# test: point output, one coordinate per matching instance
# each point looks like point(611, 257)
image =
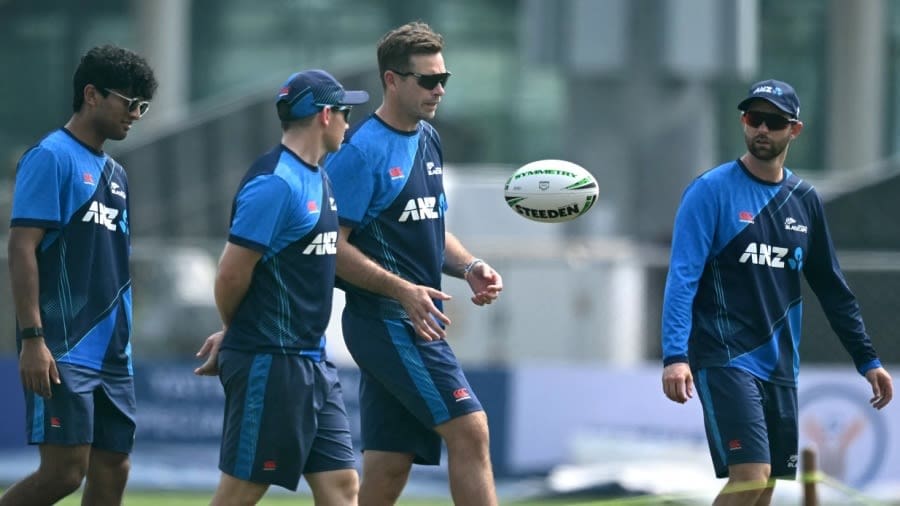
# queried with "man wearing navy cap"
point(284, 412)
point(744, 232)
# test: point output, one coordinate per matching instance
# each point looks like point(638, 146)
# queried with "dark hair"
point(113, 68)
point(396, 47)
point(283, 108)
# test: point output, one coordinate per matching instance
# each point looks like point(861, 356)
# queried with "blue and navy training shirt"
point(284, 209)
point(80, 197)
point(733, 296)
point(391, 189)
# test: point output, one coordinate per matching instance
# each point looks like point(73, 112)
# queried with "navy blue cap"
point(778, 93)
point(309, 90)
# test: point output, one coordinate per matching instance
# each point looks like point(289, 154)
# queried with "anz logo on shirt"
point(324, 243)
point(99, 214)
point(772, 256)
point(423, 208)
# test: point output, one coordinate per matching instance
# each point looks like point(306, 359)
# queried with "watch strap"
point(32, 332)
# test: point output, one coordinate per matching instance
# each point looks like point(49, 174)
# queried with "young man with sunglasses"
point(744, 233)
point(392, 249)
point(69, 245)
point(284, 411)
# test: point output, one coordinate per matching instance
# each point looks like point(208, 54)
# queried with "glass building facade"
point(511, 98)
point(500, 107)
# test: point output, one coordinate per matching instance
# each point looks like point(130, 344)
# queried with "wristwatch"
point(32, 332)
point(471, 265)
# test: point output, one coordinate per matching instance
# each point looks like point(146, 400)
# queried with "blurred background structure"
point(641, 92)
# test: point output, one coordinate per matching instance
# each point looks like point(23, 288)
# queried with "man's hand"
point(485, 282)
point(882, 387)
point(37, 367)
point(678, 382)
point(418, 302)
point(210, 350)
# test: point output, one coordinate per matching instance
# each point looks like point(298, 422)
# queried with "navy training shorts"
point(749, 421)
point(87, 407)
point(284, 417)
point(407, 386)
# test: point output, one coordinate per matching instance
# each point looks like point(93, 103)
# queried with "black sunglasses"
point(427, 81)
point(134, 104)
point(344, 109)
point(772, 121)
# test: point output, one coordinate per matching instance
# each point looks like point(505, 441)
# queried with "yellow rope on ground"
point(847, 490)
point(809, 477)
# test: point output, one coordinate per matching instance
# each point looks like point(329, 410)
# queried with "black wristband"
point(32, 332)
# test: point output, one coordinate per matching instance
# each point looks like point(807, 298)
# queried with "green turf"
point(198, 499)
point(144, 498)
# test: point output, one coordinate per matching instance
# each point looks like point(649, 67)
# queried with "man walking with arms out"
point(393, 248)
point(744, 233)
point(69, 245)
point(284, 412)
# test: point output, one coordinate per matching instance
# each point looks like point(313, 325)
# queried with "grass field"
point(199, 499)
point(144, 498)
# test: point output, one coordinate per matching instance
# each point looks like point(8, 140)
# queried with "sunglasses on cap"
point(772, 121)
point(427, 81)
point(134, 104)
point(343, 109)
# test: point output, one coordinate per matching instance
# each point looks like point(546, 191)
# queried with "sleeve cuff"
point(874, 364)
point(674, 359)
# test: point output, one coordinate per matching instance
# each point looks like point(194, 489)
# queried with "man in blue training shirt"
point(284, 412)
point(392, 250)
point(744, 232)
point(69, 245)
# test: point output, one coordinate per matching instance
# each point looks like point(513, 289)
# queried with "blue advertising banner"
point(178, 410)
point(12, 421)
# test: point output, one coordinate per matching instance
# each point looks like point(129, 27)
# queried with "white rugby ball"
point(551, 191)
